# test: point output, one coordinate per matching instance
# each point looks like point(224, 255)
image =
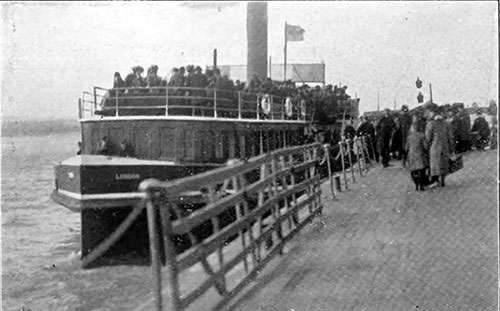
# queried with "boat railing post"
point(215, 103)
point(272, 107)
point(257, 108)
point(95, 99)
point(166, 100)
point(239, 105)
point(283, 109)
point(116, 103)
point(79, 108)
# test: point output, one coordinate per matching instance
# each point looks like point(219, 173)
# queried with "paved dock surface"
point(383, 246)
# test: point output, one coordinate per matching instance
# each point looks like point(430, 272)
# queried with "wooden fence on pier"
point(273, 197)
point(253, 209)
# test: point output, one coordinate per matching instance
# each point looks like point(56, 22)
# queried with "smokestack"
point(257, 39)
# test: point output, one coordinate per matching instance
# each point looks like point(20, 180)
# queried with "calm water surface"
point(41, 240)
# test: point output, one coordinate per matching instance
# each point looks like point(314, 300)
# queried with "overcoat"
point(416, 146)
point(439, 137)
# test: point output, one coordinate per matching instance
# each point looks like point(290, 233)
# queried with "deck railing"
point(283, 196)
point(188, 101)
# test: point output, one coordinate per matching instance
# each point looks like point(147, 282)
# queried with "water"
point(41, 240)
point(36, 233)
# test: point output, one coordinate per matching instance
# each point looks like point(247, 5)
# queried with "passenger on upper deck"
point(177, 79)
point(152, 79)
point(135, 78)
point(198, 79)
point(189, 76)
point(118, 81)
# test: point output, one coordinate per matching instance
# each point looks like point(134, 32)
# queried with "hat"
point(458, 105)
point(432, 107)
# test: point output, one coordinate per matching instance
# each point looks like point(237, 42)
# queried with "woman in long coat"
point(418, 161)
point(440, 138)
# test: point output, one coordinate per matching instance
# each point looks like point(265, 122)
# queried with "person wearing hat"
point(152, 79)
point(454, 122)
point(480, 130)
point(367, 129)
point(385, 127)
point(404, 123)
point(463, 130)
point(118, 81)
point(135, 79)
point(441, 147)
point(200, 82)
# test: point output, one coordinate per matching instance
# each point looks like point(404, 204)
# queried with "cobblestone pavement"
point(383, 246)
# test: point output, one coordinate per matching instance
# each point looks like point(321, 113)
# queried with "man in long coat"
point(405, 123)
point(366, 128)
point(385, 127)
point(440, 138)
point(463, 129)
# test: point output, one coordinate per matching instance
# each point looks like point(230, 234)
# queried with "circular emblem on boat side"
point(266, 104)
point(288, 107)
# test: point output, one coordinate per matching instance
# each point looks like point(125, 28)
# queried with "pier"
point(384, 246)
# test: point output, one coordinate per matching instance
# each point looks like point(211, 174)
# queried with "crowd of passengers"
point(423, 139)
point(193, 77)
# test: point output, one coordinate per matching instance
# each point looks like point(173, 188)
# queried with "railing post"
point(257, 108)
point(350, 160)
point(272, 106)
point(166, 100)
point(95, 99)
point(116, 103)
point(79, 108)
point(170, 256)
point(155, 249)
point(356, 141)
point(283, 109)
point(329, 167)
point(239, 105)
point(215, 103)
point(341, 144)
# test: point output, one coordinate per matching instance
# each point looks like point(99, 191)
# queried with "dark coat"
point(438, 135)
point(416, 146)
point(405, 123)
point(384, 128)
point(366, 128)
point(481, 127)
point(463, 129)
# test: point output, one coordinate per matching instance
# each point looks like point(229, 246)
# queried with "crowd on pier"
point(427, 140)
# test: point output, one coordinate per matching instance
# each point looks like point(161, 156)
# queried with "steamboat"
point(132, 134)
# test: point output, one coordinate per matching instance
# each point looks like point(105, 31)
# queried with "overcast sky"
point(51, 52)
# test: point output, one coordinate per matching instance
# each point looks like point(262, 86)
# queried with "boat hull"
point(104, 190)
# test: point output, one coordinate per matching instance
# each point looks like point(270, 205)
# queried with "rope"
point(113, 237)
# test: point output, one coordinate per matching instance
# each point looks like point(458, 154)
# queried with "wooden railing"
point(205, 102)
point(270, 197)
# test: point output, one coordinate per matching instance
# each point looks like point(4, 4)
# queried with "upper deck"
point(189, 103)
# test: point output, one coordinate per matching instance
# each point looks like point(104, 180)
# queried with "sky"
point(52, 52)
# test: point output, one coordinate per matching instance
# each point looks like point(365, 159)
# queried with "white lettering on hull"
point(127, 176)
